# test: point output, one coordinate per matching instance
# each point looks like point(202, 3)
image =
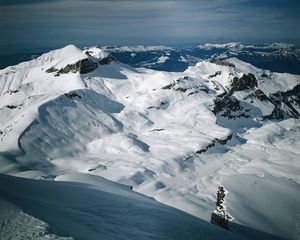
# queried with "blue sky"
point(35, 24)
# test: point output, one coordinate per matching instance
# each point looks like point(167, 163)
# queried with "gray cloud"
point(22, 2)
point(85, 22)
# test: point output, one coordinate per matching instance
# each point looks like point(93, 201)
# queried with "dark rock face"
point(215, 74)
point(224, 141)
point(157, 130)
point(286, 104)
point(52, 69)
point(259, 94)
point(170, 86)
point(107, 60)
point(213, 143)
point(219, 216)
point(223, 62)
point(180, 86)
point(82, 66)
point(229, 107)
point(10, 92)
point(11, 106)
point(276, 114)
point(219, 220)
point(72, 95)
point(264, 75)
point(245, 82)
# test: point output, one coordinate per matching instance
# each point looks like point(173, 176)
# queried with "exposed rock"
point(220, 196)
point(228, 106)
point(169, 86)
point(212, 144)
point(276, 114)
point(245, 82)
point(215, 74)
point(100, 166)
point(11, 106)
point(52, 69)
point(82, 66)
point(216, 86)
point(157, 130)
point(259, 94)
point(224, 141)
point(183, 88)
point(192, 93)
point(219, 216)
point(222, 62)
point(264, 75)
point(72, 95)
point(107, 60)
point(287, 104)
point(10, 92)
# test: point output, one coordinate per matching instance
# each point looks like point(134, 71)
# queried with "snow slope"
point(89, 207)
point(174, 136)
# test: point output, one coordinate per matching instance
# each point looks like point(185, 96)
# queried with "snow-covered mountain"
point(219, 141)
point(278, 57)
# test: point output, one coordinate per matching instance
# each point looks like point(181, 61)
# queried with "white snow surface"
point(90, 207)
point(142, 128)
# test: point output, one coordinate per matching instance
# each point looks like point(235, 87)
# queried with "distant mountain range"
point(277, 57)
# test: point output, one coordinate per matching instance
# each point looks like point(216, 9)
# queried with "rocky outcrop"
point(224, 141)
point(107, 60)
point(220, 216)
point(223, 62)
point(11, 106)
point(213, 143)
point(215, 74)
point(82, 66)
point(247, 81)
point(51, 70)
point(72, 95)
point(259, 94)
point(287, 104)
point(276, 114)
point(180, 86)
point(229, 107)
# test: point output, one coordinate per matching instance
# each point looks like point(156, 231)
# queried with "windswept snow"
point(17, 225)
point(90, 207)
point(254, 200)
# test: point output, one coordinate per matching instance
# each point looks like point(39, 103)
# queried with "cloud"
point(145, 22)
point(22, 2)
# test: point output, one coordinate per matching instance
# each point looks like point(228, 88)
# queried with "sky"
point(36, 24)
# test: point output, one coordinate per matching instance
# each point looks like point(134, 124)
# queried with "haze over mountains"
point(198, 129)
